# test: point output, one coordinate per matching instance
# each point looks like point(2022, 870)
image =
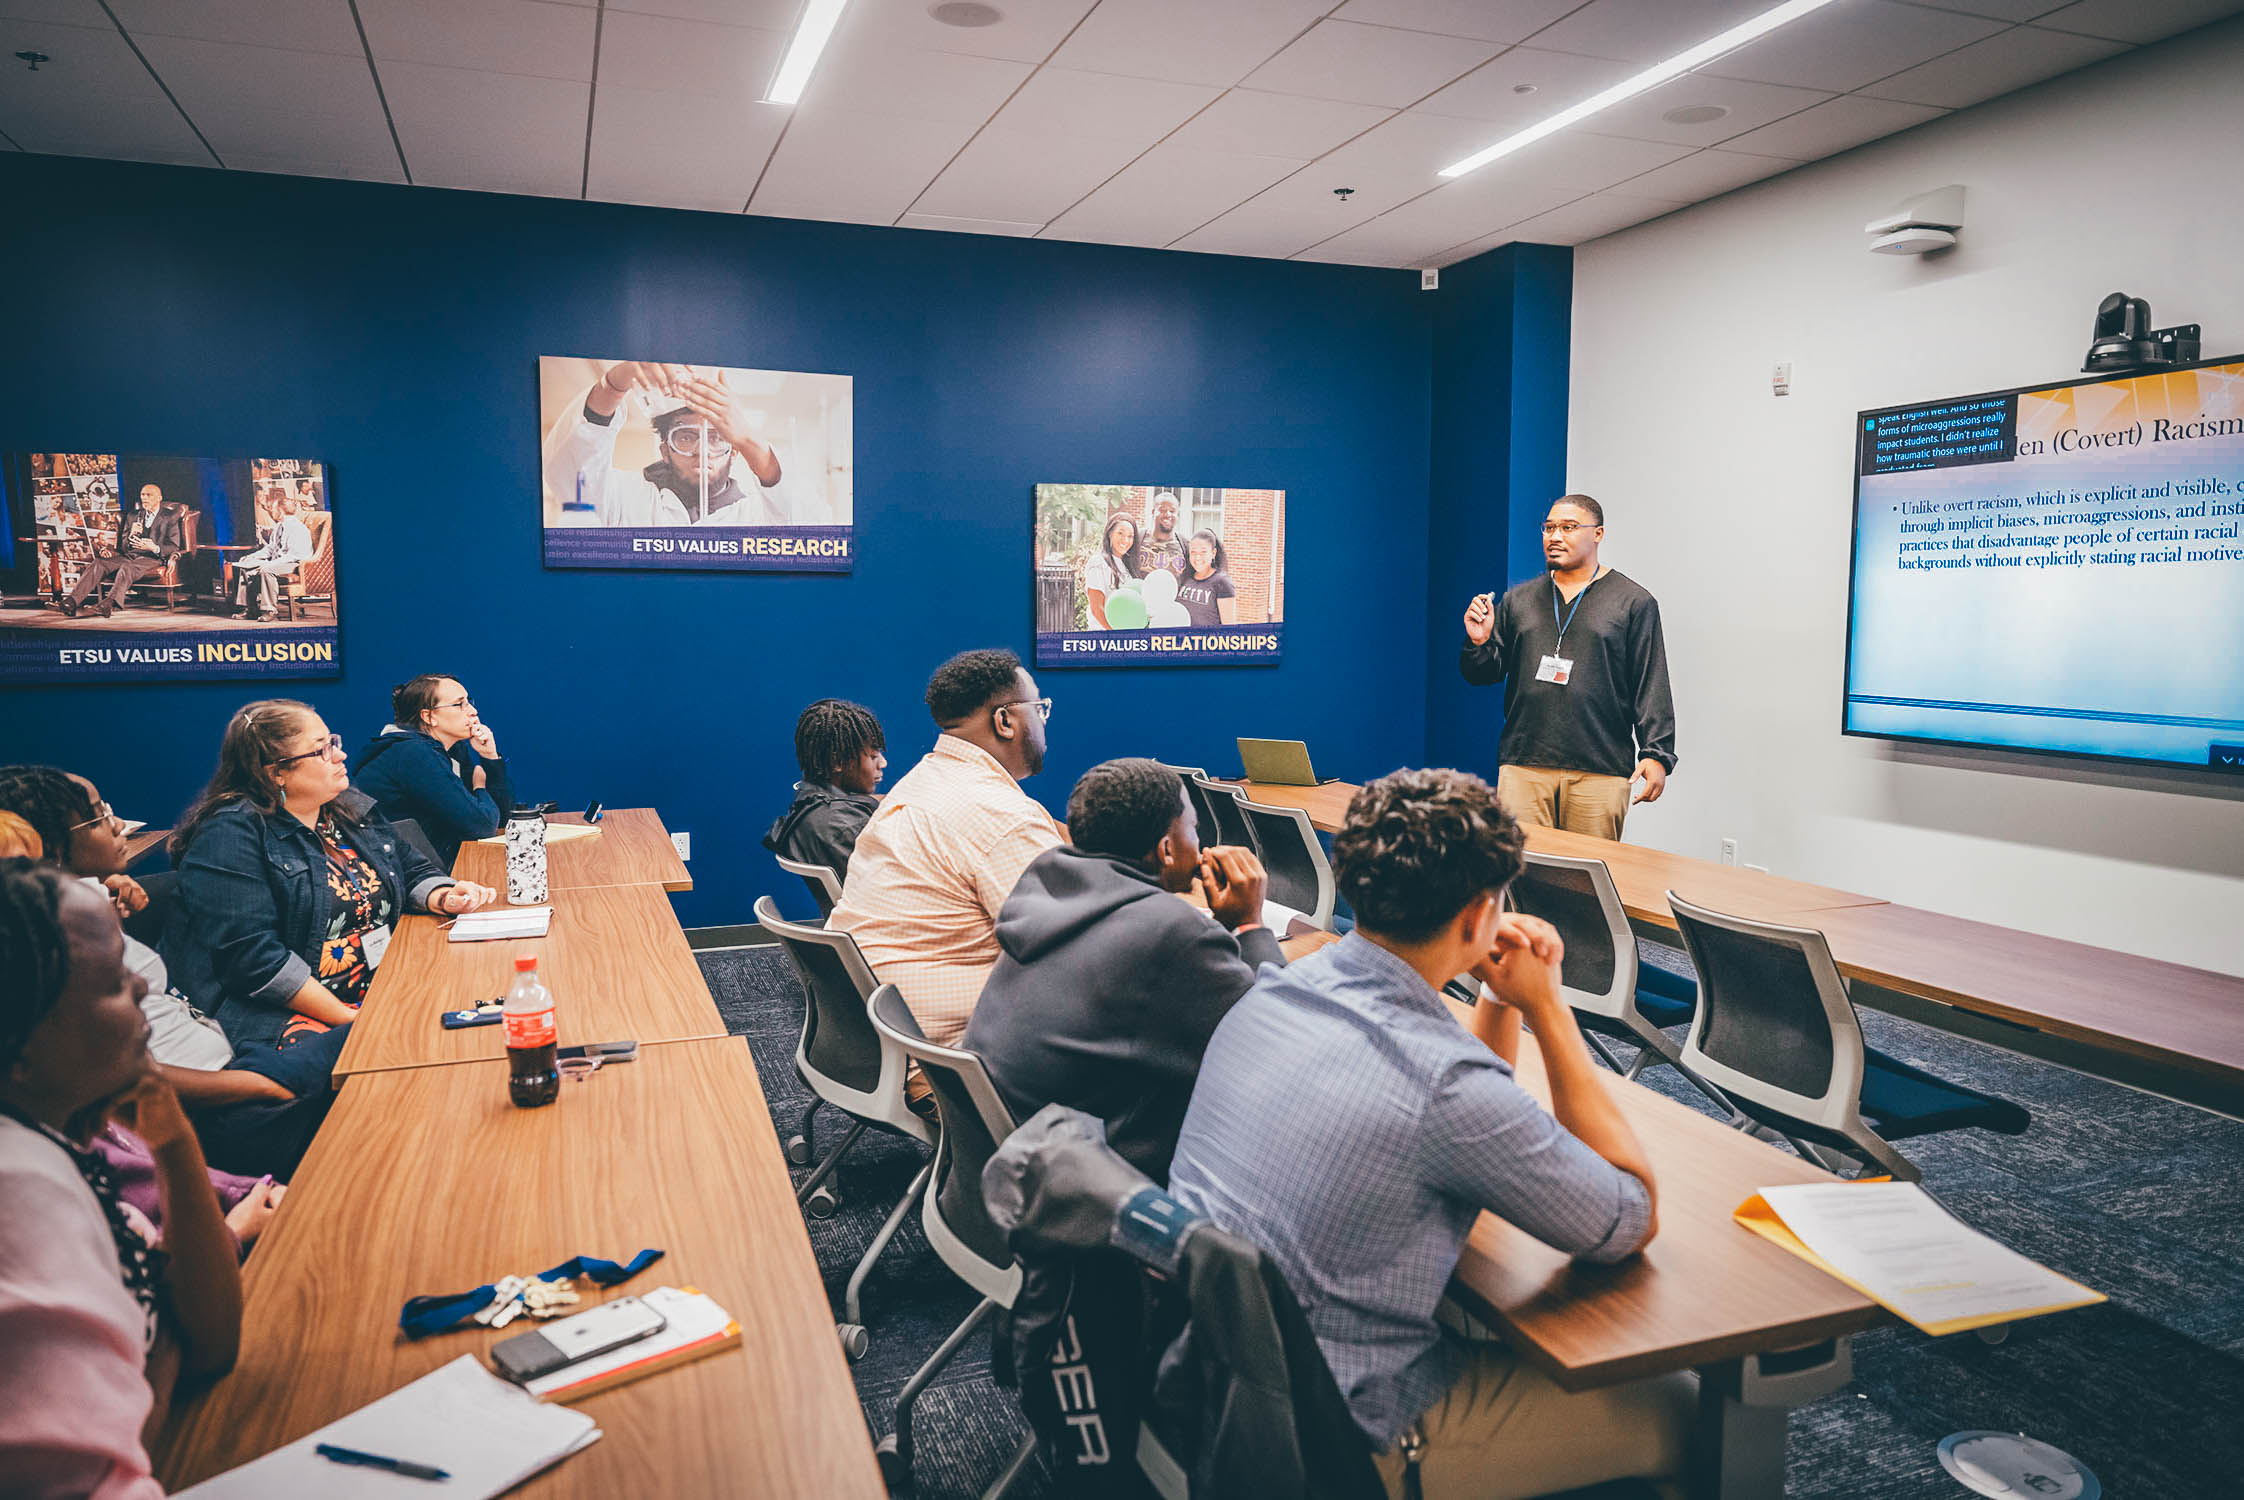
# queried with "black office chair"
point(1294, 857)
point(1222, 820)
point(1611, 993)
point(974, 1120)
point(844, 1062)
point(825, 886)
point(147, 924)
point(409, 829)
point(1777, 1033)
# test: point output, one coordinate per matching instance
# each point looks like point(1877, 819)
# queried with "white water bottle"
point(525, 858)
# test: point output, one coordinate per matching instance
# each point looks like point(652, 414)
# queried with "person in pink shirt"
point(81, 1294)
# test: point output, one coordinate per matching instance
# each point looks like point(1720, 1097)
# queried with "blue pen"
point(410, 1470)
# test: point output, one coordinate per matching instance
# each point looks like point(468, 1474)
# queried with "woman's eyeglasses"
point(102, 814)
point(334, 746)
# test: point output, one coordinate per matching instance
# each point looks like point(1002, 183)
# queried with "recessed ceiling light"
point(802, 53)
point(1695, 114)
point(1652, 77)
point(968, 13)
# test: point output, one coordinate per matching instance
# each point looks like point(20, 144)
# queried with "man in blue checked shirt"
point(1347, 1124)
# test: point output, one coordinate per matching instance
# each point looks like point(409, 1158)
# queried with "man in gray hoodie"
point(1108, 986)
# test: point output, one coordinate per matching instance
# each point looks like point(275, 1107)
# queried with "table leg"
point(1744, 1405)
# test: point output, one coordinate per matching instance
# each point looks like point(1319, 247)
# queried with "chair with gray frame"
point(1294, 858)
point(825, 886)
point(1777, 1033)
point(1222, 819)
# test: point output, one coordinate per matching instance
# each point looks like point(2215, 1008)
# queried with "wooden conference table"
point(425, 1179)
point(2164, 1027)
point(631, 848)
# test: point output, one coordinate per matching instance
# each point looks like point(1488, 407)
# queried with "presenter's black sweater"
point(1615, 708)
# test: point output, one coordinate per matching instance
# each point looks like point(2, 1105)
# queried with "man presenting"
point(1587, 711)
point(147, 541)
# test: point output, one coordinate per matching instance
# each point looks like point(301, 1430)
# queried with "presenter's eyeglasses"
point(1566, 528)
point(334, 746)
point(689, 440)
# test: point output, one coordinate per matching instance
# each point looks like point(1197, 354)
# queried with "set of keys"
point(516, 1295)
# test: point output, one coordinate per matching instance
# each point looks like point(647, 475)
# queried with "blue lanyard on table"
point(1556, 600)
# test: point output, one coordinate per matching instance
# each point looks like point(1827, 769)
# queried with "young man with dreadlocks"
point(840, 747)
point(81, 1291)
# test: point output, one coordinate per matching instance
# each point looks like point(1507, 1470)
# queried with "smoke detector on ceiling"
point(1695, 114)
point(967, 13)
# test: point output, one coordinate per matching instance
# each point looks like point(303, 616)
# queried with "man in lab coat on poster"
point(712, 469)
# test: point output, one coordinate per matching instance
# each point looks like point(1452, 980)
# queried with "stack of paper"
point(1891, 1242)
point(693, 1326)
point(486, 1434)
point(502, 922)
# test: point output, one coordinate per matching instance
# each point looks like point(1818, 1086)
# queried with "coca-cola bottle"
point(533, 1078)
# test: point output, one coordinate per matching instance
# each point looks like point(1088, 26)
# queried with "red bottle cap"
point(526, 964)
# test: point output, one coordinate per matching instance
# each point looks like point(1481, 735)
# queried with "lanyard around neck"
point(1563, 625)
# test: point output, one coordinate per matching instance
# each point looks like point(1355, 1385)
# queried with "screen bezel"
point(1854, 550)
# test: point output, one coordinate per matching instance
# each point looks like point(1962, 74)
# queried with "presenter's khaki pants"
point(1506, 1431)
point(1577, 801)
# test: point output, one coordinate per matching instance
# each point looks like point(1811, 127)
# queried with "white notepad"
point(502, 922)
point(488, 1435)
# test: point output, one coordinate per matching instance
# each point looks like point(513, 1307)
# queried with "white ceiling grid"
point(1213, 125)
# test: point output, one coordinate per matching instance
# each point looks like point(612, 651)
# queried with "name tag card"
point(1555, 669)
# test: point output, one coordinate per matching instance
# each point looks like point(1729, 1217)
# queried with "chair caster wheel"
point(1999, 1333)
point(798, 1151)
point(894, 1472)
point(854, 1339)
point(823, 1203)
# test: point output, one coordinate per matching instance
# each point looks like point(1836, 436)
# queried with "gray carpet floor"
point(2141, 1198)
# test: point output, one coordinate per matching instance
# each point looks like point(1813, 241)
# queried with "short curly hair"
point(1123, 808)
point(967, 682)
point(832, 734)
point(1418, 847)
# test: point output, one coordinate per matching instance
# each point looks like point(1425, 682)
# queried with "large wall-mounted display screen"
point(2056, 569)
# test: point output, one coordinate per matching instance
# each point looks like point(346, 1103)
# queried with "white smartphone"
point(564, 1341)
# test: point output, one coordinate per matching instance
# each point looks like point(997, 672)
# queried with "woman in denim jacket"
point(290, 886)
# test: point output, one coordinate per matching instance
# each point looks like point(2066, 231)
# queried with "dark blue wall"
point(1498, 458)
point(395, 333)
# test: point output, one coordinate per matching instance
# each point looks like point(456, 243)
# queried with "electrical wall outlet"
point(683, 843)
point(1729, 851)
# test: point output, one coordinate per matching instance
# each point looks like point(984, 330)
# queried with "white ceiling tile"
point(1187, 41)
point(1169, 191)
point(660, 54)
point(913, 85)
point(679, 150)
point(1027, 32)
point(297, 106)
point(2000, 10)
point(1022, 176)
point(1540, 177)
point(1467, 251)
point(298, 165)
point(94, 98)
point(496, 132)
point(1392, 162)
point(1587, 219)
point(297, 25)
point(2139, 20)
point(1258, 124)
point(1842, 47)
point(1846, 121)
point(1645, 31)
point(1747, 106)
point(2023, 55)
point(86, 13)
point(968, 226)
point(1447, 216)
point(1703, 174)
point(1488, 20)
point(1101, 107)
point(1369, 64)
point(859, 168)
point(1265, 227)
point(1551, 81)
point(772, 15)
point(494, 36)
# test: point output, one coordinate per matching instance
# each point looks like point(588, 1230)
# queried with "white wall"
point(1733, 506)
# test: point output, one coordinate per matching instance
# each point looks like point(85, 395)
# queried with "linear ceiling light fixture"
point(810, 40)
point(1652, 77)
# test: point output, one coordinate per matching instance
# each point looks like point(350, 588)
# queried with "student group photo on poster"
point(654, 465)
point(140, 567)
point(1161, 575)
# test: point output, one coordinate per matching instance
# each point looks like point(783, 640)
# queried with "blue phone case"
point(455, 1020)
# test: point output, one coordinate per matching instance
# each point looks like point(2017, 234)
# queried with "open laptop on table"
point(1279, 763)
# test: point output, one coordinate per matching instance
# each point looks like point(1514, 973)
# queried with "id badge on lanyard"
point(374, 944)
point(1557, 667)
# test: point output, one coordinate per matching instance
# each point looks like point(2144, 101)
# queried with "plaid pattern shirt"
point(1345, 1123)
point(929, 875)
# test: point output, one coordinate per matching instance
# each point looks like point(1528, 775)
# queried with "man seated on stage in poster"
point(149, 538)
point(287, 547)
point(700, 429)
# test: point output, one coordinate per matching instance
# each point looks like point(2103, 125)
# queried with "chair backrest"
point(1774, 1025)
point(1577, 897)
point(147, 924)
point(1300, 875)
point(1185, 771)
point(974, 1122)
point(317, 574)
point(843, 1059)
point(825, 886)
point(1222, 820)
point(409, 829)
